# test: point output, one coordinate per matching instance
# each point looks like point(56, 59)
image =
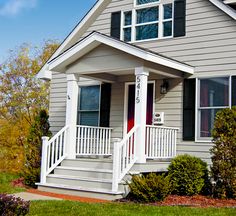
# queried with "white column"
point(140, 112)
point(71, 114)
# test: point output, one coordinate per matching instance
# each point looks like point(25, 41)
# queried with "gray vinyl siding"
point(117, 109)
point(57, 106)
point(209, 46)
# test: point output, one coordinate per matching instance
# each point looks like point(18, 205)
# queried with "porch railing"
point(160, 142)
point(123, 157)
point(53, 152)
point(93, 140)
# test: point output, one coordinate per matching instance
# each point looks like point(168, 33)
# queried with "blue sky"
point(34, 21)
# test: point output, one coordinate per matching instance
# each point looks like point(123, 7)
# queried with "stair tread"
point(91, 160)
point(84, 169)
point(95, 190)
point(79, 178)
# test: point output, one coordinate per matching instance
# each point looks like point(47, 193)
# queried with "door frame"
point(125, 119)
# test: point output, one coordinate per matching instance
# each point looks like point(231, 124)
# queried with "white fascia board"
point(44, 73)
point(227, 9)
point(132, 50)
point(230, 1)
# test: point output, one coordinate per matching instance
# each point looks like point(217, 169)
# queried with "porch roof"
point(95, 39)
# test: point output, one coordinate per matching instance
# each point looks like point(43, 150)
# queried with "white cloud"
point(13, 7)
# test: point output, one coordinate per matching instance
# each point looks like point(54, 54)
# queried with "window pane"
point(139, 2)
point(147, 15)
point(214, 92)
point(89, 118)
point(147, 32)
point(167, 29)
point(127, 34)
point(128, 18)
point(89, 98)
point(207, 118)
point(168, 11)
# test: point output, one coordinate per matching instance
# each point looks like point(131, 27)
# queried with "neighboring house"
point(135, 83)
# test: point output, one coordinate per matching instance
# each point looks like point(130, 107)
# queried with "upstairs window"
point(150, 19)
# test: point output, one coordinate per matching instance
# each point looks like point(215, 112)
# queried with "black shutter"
point(115, 24)
point(189, 109)
point(233, 90)
point(179, 18)
point(105, 105)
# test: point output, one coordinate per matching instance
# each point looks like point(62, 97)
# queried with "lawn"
point(5, 183)
point(68, 208)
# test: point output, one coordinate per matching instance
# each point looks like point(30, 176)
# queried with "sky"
point(35, 21)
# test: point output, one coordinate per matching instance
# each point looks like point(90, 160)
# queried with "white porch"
point(145, 148)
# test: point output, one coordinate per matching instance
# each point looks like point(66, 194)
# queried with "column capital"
point(71, 77)
point(141, 71)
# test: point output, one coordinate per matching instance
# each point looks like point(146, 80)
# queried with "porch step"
point(88, 163)
point(89, 183)
point(85, 172)
point(80, 191)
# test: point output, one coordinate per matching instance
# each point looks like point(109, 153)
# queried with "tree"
point(22, 93)
point(22, 96)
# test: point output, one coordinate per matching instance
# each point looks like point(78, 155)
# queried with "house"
point(136, 83)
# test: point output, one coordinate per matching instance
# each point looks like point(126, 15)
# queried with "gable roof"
point(98, 7)
point(95, 39)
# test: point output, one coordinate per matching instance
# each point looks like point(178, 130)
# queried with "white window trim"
point(160, 21)
point(99, 108)
point(199, 139)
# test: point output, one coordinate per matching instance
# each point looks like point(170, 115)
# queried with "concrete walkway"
point(31, 196)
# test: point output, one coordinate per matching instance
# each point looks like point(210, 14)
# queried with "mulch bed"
point(172, 200)
point(18, 183)
point(196, 201)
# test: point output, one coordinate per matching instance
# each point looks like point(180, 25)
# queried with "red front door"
point(131, 105)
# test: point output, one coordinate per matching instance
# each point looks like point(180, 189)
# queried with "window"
point(89, 106)
point(214, 95)
point(150, 19)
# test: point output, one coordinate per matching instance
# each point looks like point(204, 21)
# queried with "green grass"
point(5, 183)
point(68, 208)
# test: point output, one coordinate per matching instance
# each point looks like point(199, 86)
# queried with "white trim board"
point(95, 39)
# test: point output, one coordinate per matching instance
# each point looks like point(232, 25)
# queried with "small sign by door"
point(158, 118)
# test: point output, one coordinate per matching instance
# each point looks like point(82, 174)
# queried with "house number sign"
point(138, 86)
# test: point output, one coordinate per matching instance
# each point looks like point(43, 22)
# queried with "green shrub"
point(223, 168)
point(149, 188)
point(40, 128)
point(11, 205)
point(188, 175)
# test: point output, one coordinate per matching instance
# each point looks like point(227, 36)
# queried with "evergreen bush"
point(188, 175)
point(224, 154)
point(149, 188)
point(40, 128)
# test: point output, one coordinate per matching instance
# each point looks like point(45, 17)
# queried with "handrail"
point(162, 127)
point(53, 152)
point(123, 157)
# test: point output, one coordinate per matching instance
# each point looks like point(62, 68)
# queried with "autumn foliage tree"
point(22, 96)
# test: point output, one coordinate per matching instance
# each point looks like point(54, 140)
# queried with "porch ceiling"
point(98, 54)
